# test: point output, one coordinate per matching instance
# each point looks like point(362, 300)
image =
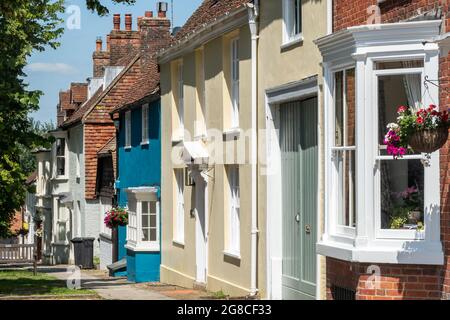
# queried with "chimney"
point(162, 9)
point(155, 34)
point(123, 43)
point(116, 21)
point(99, 44)
point(99, 58)
point(128, 22)
point(108, 43)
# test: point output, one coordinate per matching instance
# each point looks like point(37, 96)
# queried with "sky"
point(53, 70)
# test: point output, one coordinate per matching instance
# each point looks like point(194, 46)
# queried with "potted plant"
point(116, 217)
point(424, 131)
point(407, 213)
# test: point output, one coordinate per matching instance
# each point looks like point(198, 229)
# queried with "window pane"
point(345, 162)
point(145, 221)
point(398, 64)
point(350, 115)
point(61, 166)
point(145, 235)
point(339, 108)
point(153, 207)
point(153, 221)
point(297, 17)
point(60, 147)
point(402, 196)
point(144, 207)
point(152, 233)
point(395, 91)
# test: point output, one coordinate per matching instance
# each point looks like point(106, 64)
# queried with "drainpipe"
point(253, 12)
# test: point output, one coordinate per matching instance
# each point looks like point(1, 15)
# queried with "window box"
point(370, 71)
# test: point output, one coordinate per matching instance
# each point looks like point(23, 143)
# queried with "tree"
point(25, 26)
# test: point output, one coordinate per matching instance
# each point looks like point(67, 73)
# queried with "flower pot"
point(428, 141)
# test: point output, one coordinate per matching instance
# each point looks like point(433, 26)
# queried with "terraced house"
point(394, 54)
point(239, 214)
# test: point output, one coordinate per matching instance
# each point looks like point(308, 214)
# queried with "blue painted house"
point(138, 186)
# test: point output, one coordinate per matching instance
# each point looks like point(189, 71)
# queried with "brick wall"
point(400, 281)
point(96, 136)
point(395, 282)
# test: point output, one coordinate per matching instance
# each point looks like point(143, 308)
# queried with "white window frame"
point(128, 129)
point(334, 174)
point(368, 243)
point(289, 35)
point(137, 196)
point(180, 104)
point(179, 231)
point(233, 246)
point(145, 124)
point(57, 157)
point(55, 175)
point(235, 82)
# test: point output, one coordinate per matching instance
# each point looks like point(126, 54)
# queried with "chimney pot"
point(99, 44)
point(162, 9)
point(149, 14)
point(116, 21)
point(128, 22)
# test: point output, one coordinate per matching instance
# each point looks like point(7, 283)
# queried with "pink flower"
point(419, 120)
point(402, 109)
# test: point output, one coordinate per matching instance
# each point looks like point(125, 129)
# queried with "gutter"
point(253, 13)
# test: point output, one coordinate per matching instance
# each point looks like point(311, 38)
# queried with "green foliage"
point(97, 6)
point(25, 26)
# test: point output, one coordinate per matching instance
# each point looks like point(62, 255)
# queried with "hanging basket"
point(428, 141)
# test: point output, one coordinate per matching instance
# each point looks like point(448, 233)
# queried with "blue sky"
point(54, 70)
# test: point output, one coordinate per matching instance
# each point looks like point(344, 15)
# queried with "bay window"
point(143, 230)
point(378, 209)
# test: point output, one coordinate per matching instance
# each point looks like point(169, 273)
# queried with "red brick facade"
point(134, 50)
point(399, 281)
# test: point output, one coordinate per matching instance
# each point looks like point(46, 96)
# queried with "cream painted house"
point(236, 68)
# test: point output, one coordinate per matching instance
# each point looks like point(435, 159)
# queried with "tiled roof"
point(78, 115)
point(147, 84)
point(207, 13)
point(109, 147)
point(96, 98)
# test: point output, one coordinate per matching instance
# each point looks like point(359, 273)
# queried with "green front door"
point(299, 164)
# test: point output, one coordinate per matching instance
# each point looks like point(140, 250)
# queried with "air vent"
point(341, 293)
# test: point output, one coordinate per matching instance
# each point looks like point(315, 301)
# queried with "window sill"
point(145, 143)
point(292, 43)
point(127, 148)
point(143, 247)
point(60, 178)
point(386, 251)
point(233, 255)
point(232, 134)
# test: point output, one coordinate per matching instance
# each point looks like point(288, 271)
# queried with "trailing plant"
point(116, 217)
point(409, 123)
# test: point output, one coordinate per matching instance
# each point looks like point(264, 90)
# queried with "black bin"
point(84, 252)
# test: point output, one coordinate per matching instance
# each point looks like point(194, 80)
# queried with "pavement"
point(118, 288)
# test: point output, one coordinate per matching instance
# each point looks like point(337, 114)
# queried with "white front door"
point(200, 228)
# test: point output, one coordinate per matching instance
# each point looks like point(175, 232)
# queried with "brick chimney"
point(100, 59)
point(128, 22)
point(155, 34)
point(123, 43)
